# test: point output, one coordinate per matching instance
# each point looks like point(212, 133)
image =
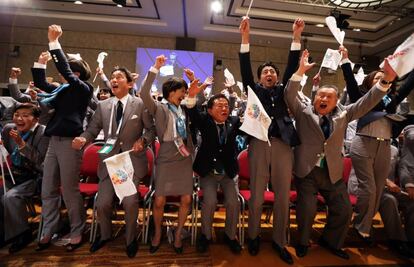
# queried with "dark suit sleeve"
point(39, 79)
point(36, 153)
point(196, 117)
point(292, 65)
point(402, 93)
point(149, 127)
point(246, 71)
point(17, 94)
point(351, 84)
point(62, 65)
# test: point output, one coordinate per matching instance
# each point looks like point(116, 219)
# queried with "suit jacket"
point(210, 149)
point(33, 153)
point(273, 99)
point(70, 104)
point(406, 163)
point(313, 142)
point(160, 111)
point(135, 119)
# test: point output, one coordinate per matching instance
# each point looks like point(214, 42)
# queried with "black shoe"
point(337, 252)
point(132, 248)
point(21, 241)
point(368, 240)
point(72, 247)
point(283, 253)
point(42, 246)
point(401, 248)
point(97, 244)
point(301, 250)
point(202, 244)
point(254, 246)
point(233, 244)
point(154, 249)
point(178, 250)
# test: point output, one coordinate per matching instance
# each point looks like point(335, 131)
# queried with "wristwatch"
point(384, 82)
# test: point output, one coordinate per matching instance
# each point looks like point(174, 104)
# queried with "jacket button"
point(220, 150)
point(272, 117)
point(121, 143)
point(318, 155)
point(325, 144)
point(214, 160)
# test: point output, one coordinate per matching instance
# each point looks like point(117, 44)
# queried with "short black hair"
point(128, 74)
point(173, 84)
point(104, 89)
point(33, 108)
point(80, 66)
point(267, 64)
point(210, 102)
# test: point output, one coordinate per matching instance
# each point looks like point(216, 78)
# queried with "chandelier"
point(359, 3)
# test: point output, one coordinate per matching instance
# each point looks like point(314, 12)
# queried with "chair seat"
point(88, 189)
point(143, 190)
point(353, 199)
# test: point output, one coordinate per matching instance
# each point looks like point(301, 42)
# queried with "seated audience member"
point(318, 159)
point(26, 144)
point(216, 163)
point(122, 118)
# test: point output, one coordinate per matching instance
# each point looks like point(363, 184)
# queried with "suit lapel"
point(128, 111)
point(315, 118)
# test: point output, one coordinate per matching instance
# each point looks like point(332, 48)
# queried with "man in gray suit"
point(318, 159)
point(123, 120)
point(26, 144)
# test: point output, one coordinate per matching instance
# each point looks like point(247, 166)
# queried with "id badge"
point(321, 161)
point(182, 148)
point(109, 145)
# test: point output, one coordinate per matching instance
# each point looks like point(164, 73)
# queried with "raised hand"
point(189, 74)
point(194, 89)
point(316, 79)
point(159, 61)
point(78, 142)
point(54, 32)
point(344, 52)
point(297, 29)
point(135, 77)
point(244, 29)
point(209, 81)
point(389, 73)
point(33, 94)
point(304, 64)
point(44, 57)
point(15, 72)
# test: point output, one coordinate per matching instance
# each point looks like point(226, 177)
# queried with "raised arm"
point(372, 97)
point(14, 87)
point(244, 55)
point(149, 80)
point(352, 88)
point(293, 86)
point(39, 73)
point(294, 53)
point(402, 93)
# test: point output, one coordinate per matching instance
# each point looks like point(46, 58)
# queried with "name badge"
point(109, 145)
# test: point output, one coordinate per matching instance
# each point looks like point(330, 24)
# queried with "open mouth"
point(323, 106)
point(269, 79)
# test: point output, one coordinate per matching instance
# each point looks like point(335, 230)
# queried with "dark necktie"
point(222, 137)
point(325, 126)
point(119, 110)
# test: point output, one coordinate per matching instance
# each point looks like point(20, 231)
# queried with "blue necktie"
point(222, 137)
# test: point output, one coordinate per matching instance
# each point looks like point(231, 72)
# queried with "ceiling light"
point(320, 25)
point(119, 3)
point(359, 3)
point(78, 3)
point(216, 6)
point(356, 29)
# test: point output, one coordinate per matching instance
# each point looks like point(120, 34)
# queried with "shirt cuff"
point(383, 88)
point(54, 45)
point(407, 185)
point(295, 47)
point(191, 102)
point(244, 48)
point(296, 78)
point(12, 81)
point(154, 70)
point(344, 61)
point(38, 65)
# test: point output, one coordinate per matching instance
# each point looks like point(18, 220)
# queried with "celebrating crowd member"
point(318, 159)
point(123, 119)
point(25, 142)
point(275, 161)
point(62, 163)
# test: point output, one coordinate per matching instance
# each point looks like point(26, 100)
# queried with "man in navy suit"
point(70, 101)
point(216, 163)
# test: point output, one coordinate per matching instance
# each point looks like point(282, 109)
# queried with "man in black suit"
point(275, 161)
point(70, 101)
point(216, 163)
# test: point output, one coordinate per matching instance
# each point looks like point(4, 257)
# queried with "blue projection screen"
point(177, 60)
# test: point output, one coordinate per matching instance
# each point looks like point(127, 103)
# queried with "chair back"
point(347, 169)
point(243, 161)
point(90, 160)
